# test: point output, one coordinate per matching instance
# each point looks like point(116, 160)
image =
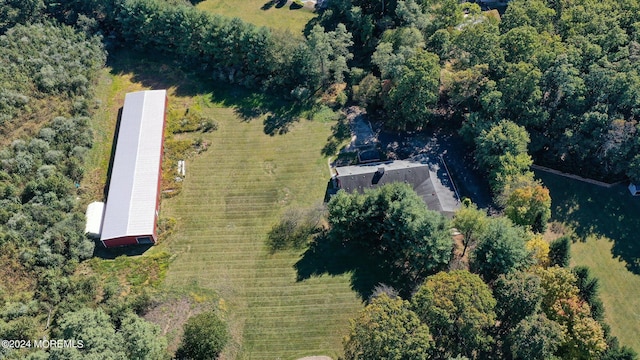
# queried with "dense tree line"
point(226, 49)
point(514, 302)
point(565, 71)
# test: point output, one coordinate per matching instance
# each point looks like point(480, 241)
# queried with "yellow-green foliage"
point(189, 120)
point(540, 250)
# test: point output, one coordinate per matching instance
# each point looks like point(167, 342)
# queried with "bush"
point(295, 229)
point(205, 335)
point(208, 126)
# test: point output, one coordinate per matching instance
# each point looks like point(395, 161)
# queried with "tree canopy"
point(387, 329)
point(393, 223)
point(458, 307)
point(500, 250)
point(205, 336)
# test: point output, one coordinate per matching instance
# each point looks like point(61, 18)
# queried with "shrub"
point(205, 335)
point(295, 229)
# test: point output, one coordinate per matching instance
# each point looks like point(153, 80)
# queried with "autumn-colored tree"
point(539, 249)
point(585, 337)
point(529, 206)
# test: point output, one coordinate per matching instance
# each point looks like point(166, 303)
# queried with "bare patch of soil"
point(171, 317)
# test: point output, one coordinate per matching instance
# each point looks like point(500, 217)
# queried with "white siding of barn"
point(133, 188)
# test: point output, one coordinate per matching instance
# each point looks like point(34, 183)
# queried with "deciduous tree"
point(459, 309)
point(98, 334)
point(518, 295)
point(393, 223)
point(410, 101)
point(387, 329)
point(471, 222)
point(529, 206)
point(141, 339)
point(500, 250)
point(535, 338)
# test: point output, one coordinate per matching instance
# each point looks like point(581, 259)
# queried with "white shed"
point(95, 212)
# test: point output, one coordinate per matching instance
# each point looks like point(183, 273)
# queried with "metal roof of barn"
point(133, 187)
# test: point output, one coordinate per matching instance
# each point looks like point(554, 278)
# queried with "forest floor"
point(606, 221)
point(280, 15)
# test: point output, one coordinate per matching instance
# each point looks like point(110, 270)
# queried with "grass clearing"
point(232, 194)
point(606, 220)
point(619, 288)
point(273, 14)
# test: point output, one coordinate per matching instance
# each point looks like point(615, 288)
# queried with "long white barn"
point(131, 212)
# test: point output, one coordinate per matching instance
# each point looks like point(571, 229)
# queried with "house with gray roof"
point(429, 179)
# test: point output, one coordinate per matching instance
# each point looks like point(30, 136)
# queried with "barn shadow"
point(326, 256)
point(604, 212)
point(112, 253)
point(112, 155)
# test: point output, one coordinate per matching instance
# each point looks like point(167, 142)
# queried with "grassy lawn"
point(262, 12)
point(232, 195)
point(607, 221)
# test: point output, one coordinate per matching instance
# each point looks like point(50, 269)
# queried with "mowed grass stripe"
point(232, 195)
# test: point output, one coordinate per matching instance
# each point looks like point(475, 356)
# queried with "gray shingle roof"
point(428, 179)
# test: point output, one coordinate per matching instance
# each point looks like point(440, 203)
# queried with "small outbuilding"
point(94, 214)
point(634, 189)
point(133, 200)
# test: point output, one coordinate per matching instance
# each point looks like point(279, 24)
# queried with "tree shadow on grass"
point(340, 133)
point(593, 210)
point(271, 3)
point(295, 6)
point(249, 105)
point(330, 257)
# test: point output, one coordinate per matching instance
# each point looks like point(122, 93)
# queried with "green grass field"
point(232, 195)
point(607, 221)
point(262, 12)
